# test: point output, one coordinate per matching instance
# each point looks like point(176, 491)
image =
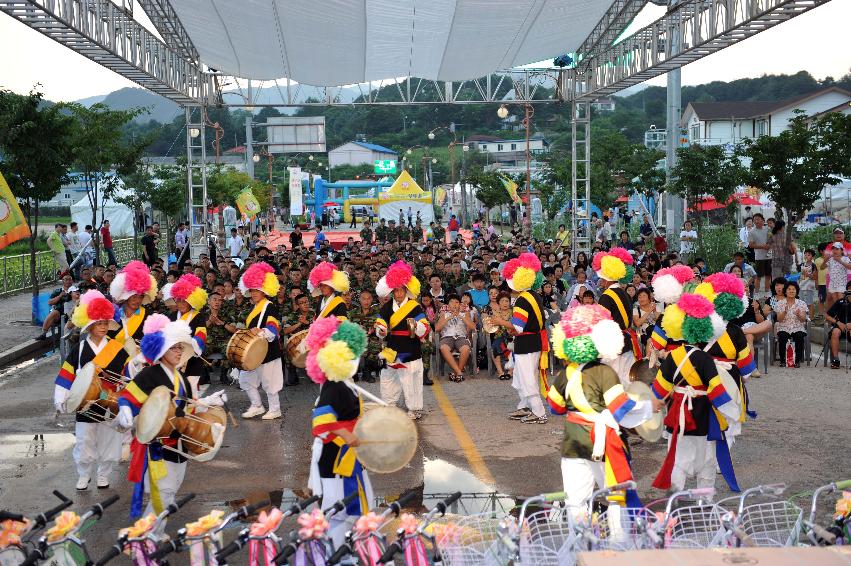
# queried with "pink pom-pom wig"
point(320, 331)
point(155, 323)
point(580, 320)
point(726, 283)
point(398, 275)
point(695, 306)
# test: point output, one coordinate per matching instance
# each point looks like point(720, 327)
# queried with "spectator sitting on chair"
point(454, 328)
point(839, 317)
point(791, 318)
point(57, 300)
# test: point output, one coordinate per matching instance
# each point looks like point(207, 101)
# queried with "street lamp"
point(502, 112)
point(194, 132)
point(255, 158)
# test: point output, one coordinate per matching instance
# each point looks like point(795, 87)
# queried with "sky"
point(817, 41)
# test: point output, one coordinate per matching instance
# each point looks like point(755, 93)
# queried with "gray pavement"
point(16, 320)
point(800, 437)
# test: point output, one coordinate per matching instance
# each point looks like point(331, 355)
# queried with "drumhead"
point(153, 414)
point(388, 439)
point(80, 387)
point(651, 429)
point(297, 349)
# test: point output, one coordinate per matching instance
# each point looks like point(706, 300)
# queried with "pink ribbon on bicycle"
point(415, 552)
point(140, 550)
point(368, 550)
point(265, 524)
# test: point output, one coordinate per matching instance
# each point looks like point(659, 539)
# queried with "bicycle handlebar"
point(443, 505)
point(390, 552)
point(286, 552)
point(33, 558)
point(339, 554)
point(164, 549)
point(302, 505)
point(340, 505)
point(9, 516)
point(114, 550)
point(844, 484)
point(237, 544)
point(828, 537)
point(99, 508)
point(248, 510)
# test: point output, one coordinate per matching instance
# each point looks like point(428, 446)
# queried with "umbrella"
point(330, 203)
point(747, 200)
point(622, 199)
point(707, 204)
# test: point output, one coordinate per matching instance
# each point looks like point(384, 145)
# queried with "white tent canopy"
point(119, 215)
point(341, 42)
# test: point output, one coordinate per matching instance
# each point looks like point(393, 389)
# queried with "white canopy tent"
point(119, 215)
point(341, 42)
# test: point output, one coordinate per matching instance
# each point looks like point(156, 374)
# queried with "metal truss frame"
point(107, 34)
point(609, 28)
point(166, 22)
point(690, 31)
point(196, 178)
point(580, 177)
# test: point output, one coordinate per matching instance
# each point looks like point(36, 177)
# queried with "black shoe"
point(783, 364)
point(369, 378)
point(42, 336)
point(427, 380)
point(834, 364)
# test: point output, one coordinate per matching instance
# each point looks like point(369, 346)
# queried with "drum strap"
point(258, 308)
point(105, 356)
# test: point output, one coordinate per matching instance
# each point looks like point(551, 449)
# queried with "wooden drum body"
point(297, 349)
point(246, 351)
point(93, 394)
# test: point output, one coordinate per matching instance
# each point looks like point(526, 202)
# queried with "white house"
point(721, 123)
point(359, 153)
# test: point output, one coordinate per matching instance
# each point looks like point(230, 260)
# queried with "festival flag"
point(511, 187)
point(247, 203)
point(13, 224)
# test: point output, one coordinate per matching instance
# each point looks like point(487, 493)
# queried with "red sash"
point(615, 452)
point(672, 421)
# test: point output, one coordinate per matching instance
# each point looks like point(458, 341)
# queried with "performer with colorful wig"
point(259, 282)
point(190, 297)
point(668, 286)
point(614, 267)
point(531, 343)
point(327, 281)
point(156, 468)
point(97, 447)
point(335, 347)
point(730, 350)
point(132, 288)
point(700, 405)
point(403, 323)
point(596, 405)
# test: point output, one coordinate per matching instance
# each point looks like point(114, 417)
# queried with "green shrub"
point(812, 238)
point(716, 245)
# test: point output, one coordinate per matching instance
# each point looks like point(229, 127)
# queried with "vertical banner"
point(13, 224)
point(296, 202)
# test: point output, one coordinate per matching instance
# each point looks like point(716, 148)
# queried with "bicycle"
point(772, 522)
point(546, 537)
point(840, 531)
point(141, 539)
point(62, 544)
point(366, 541)
point(689, 526)
point(203, 537)
point(616, 528)
point(20, 530)
point(261, 537)
point(315, 546)
point(410, 542)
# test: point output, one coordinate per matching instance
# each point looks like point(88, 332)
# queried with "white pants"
point(580, 477)
point(407, 381)
point(622, 364)
point(525, 379)
point(695, 457)
point(270, 377)
point(332, 492)
point(97, 449)
point(168, 487)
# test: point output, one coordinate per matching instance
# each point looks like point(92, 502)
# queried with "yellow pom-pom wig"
point(260, 276)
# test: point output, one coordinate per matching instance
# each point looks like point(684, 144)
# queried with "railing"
point(15, 269)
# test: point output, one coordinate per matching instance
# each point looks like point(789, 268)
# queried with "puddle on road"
point(442, 478)
point(17, 450)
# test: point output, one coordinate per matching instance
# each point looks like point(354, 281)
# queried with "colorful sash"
point(544, 362)
point(145, 459)
point(402, 313)
point(130, 325)
point(332, 304)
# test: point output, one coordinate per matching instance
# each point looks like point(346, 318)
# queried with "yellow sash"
point(332, 304)
point(544, 364)
point(131, 325)
point(256, 311)
point(188, 316)
point(397, 317)
point(621, 309)
point(105, 356)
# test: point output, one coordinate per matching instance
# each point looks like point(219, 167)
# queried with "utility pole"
point(674, 211)
point(249, 139)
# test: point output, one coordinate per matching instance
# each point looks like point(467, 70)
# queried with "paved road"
point(801, 438)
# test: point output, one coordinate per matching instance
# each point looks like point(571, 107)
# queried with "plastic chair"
point(471, 362)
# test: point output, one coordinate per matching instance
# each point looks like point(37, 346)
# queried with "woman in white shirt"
point(644, 314)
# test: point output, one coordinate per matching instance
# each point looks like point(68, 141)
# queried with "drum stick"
point(230, 415)
point(366, 393)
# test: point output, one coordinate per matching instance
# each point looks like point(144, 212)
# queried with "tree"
point(140, 182)
point(794, 166)
point(36, 147)
point(705, 170)
point(102, 153)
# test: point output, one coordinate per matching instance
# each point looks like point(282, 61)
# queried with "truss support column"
point(580, 178)
point(196, 178)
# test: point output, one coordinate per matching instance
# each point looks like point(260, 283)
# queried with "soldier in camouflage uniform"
point(365, 313)
point(366, 233)
point(381, 232)
point(417, 233)
point(439, 233)
point(404, 234)
point(392, 233)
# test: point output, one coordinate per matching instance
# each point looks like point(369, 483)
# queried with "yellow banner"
point(13, 224)
point(247, 203)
